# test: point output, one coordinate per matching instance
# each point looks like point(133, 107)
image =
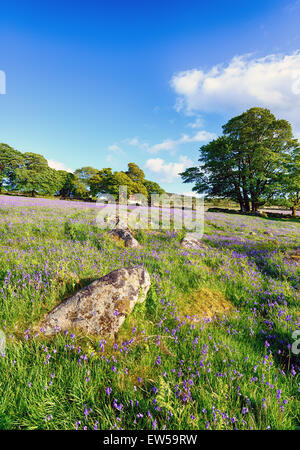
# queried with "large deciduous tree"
point(247, 163)
point(33, 175)
point(10, 160)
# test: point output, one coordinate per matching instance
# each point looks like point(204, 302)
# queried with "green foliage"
point(99, 183)
point(76, 231)
point(248, 163)
point(290, 181)
point(29, 173)
point(10, 160)
point(85, 174)
point(135, 173)
point(108, 182)
point(180, 234)
point(187, 374)
point(34, 176)
point(153, 188)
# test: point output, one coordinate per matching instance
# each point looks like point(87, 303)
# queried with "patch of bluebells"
point(201, 361)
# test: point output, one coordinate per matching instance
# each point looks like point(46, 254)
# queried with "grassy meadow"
point(210, 348)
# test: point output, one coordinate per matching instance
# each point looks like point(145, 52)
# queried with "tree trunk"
point(245, 195)
point(294, 211)
point(254, 206)
point(240, 200)
point(33, 193)
point(246, 201)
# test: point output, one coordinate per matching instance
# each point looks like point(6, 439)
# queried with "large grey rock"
point(101, 307)
point(192, 242)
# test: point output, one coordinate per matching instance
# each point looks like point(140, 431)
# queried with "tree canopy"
point(106, 181)
point(29, 174)
point(249, 163)
point(10, 160)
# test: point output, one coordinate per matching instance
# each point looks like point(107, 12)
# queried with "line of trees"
point(255, 161)
point(30, 174)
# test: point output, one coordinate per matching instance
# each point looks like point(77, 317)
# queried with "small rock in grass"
point(126, 236)
point(192, 241)
point(121, 231)
point(294, 256)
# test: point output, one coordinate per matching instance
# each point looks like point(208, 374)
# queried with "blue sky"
point(107, 83)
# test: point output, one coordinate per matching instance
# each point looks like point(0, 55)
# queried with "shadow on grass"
point(281, 347)
point(278, 217)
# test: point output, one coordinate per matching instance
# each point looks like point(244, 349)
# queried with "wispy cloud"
point(114, 148)
point(136, 142)
point(171, 145)
point(198, 123)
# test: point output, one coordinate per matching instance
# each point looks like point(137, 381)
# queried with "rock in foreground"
point(101, 307)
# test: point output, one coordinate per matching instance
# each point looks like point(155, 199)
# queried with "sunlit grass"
point(164, 369)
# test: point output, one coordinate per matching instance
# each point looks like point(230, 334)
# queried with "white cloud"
point(58, 165)
point(272, 82)
point(171, 144)
point(167, 144)
point(168, 172)
point(201, 136)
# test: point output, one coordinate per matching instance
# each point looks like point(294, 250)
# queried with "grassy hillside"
point(210, 348)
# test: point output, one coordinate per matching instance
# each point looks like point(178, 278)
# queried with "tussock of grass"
point(203, 303)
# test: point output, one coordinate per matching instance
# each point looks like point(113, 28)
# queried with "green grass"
point(167, 368)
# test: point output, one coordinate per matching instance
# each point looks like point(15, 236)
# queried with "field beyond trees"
point(210, 348)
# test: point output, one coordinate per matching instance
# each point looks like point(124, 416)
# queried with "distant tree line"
point(30, 174)
point(254, 162)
